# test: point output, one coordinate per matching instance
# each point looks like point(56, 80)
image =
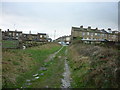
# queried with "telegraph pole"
point(14, 26)
point(54, 34)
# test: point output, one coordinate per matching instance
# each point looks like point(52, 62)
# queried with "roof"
point(42, 33)
point(15, 31)
point(33, 34)
point(88, 30)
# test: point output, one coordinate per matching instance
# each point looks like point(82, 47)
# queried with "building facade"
point(43, 37)
point(15, 35)
point(89, 34)
point(64, 39)
point(18, 35)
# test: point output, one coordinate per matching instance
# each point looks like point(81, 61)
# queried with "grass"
point(52, 76)
point(93, 66)
point(9, 44)
point(21, 64)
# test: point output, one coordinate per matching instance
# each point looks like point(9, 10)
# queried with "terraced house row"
point(89, 34)
point(18, 35)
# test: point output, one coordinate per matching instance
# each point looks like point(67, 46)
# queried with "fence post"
point(0, 59)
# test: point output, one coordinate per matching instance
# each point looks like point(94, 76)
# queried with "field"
point(10, 43)
point(19, 65)
point(91, 66)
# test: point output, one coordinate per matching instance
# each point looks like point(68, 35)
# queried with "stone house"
point(13, 35)
point(18, 35)
point(26, 37)
point(0, 35)
point(42, 37)
point(89, 34)
point(64, 39)
point(30, 37)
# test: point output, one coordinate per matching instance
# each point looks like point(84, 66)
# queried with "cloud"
point(48, 17)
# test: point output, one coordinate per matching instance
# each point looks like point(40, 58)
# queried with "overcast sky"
point(44, 17)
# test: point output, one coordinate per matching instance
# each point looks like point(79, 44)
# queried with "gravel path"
point(66, 75)
point(51, 57)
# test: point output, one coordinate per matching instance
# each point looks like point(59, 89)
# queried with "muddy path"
point(66, 75)
point(42, 71)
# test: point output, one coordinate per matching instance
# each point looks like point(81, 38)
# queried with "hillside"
point(94, 66)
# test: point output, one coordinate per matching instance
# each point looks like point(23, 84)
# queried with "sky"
point(56, 18)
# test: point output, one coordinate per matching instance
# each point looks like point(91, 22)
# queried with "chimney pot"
point(109, 28)
point(81, 26)
point(96, 28)
point(89, 27)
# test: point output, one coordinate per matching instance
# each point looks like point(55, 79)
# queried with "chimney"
point(29, 32)
point(103, 29)
point(96, 29)
point(81, 26)
point(8, 30)
point(109, 29)
point(89, 27)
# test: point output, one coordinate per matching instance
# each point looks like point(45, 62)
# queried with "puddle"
point(43, 68)
point(28, 80)
point(41, 74)
point(28, 84)
point(35, 75)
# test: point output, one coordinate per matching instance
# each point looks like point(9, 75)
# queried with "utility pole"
point(54, 34)
point(14, 26)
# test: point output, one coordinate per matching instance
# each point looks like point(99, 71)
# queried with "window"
point(45, 36)
point(98, 34)
point(102, 35)
point(95, 33)
point(87, 38)
point(83, 38)
point(16, 37)
point(87, 33)
point(13, 34)
point(91, 34)
point(83, 33)
point(20, 34)
point(16, 34)
point(10, 33)
point(40, 36)
point(91, 38)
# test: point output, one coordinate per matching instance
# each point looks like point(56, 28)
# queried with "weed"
point(93, 65)
point(21, 64)
point(15, 63)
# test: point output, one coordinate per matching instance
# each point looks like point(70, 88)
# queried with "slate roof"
point(89, 30)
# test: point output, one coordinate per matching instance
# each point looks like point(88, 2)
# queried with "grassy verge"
point(93, 66)
point(10, 44)
point(52, 76)
point(18, 65)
